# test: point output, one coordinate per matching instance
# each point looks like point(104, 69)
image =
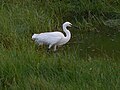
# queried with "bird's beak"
point(75, 27)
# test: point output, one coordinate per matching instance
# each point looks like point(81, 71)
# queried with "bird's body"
point(53, 38)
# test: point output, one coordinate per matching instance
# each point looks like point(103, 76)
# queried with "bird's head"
point(67, 24)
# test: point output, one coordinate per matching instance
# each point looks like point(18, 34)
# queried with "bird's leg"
point(49, 47)
point(48, 50)
point(55, 48)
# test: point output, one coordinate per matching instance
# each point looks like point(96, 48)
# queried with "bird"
point(53, 39)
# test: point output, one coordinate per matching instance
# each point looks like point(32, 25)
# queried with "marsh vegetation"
point(90, 61)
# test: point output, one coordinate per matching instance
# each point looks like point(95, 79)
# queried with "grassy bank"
point(90, 61)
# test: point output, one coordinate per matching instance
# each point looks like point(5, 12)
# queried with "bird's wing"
point(49, 38)
point(53, 34)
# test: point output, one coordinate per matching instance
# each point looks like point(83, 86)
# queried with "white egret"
point(53, 38)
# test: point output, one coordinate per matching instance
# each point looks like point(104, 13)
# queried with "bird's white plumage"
point(53, 38)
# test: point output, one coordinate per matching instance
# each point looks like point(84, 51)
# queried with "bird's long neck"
point(67, 32)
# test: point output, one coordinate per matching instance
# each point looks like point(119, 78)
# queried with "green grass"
point(90, 61)
point(61, 70)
